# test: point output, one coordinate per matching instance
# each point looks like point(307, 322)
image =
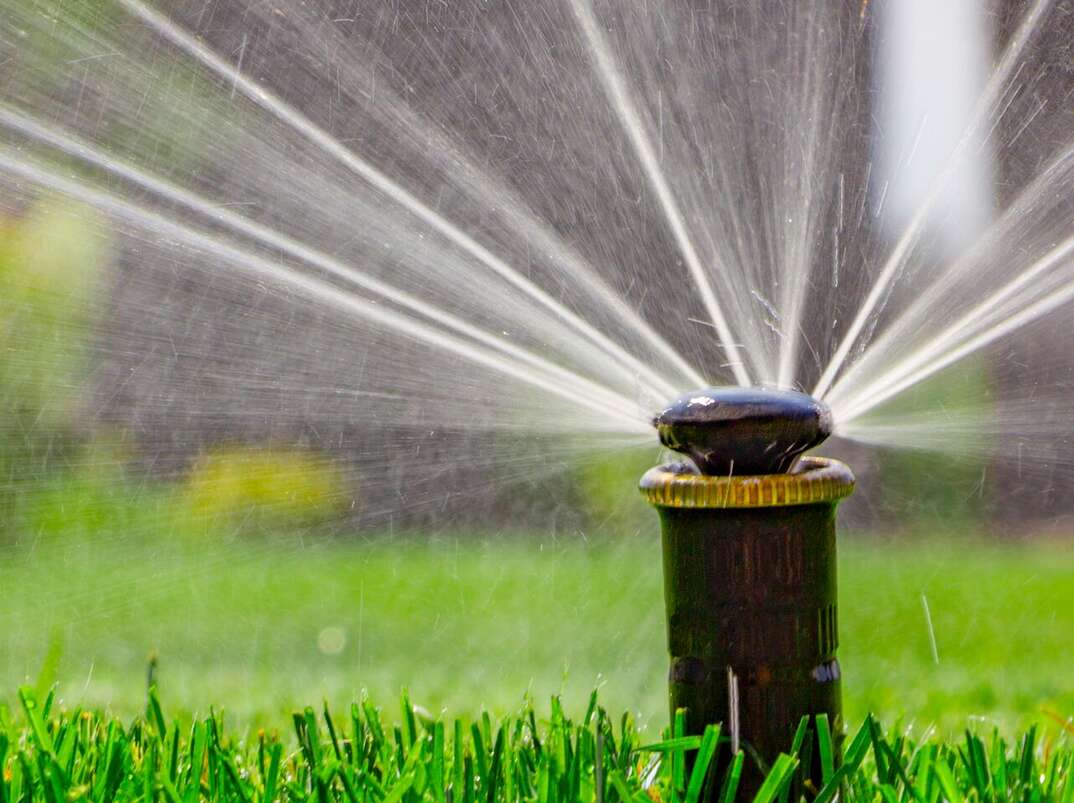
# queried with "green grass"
point(53, 755)
point(102, 585)
point(261, 627)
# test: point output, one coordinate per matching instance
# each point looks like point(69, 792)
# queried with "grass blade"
point(679, 743)
point(700, 773)
point(855, 754)
point(273, 775)
point(946, 778)
point(436, 765)
point(678, 757)
point(154, 713)
point(825, 748)
point(731, 780)
point(778, 777)
point(33, 716)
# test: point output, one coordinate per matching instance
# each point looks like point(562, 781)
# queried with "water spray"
point(748, 528)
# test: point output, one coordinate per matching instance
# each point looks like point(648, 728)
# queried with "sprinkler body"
point(750, 569)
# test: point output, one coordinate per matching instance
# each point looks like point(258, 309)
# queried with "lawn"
point(262, 627)
point(60, 755)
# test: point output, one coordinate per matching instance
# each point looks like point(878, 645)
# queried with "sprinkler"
point(748, 529)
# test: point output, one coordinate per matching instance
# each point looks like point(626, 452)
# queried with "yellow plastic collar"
point(815, 480)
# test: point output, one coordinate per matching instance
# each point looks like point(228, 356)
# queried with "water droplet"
point(331, 640)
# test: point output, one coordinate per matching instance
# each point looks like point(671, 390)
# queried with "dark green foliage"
point(53, 755)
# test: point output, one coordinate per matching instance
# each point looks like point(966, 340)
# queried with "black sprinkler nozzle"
point(740, 431)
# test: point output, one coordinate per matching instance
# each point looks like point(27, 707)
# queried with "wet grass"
point(50, 754)
point(262, 626)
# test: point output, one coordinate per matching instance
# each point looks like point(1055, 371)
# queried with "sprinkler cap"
point(739, 431)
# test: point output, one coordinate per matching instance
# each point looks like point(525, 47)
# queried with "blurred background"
point(187, 490)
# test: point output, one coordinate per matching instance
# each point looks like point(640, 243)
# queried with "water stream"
point(735, 125)
point(471, 244)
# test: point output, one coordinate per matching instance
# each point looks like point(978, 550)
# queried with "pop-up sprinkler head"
point(749, 568)
point(735, 430)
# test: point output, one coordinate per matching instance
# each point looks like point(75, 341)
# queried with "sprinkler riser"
point(754, 592)
point(750, 588)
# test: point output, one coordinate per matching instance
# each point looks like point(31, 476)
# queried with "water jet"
point(748, 532)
